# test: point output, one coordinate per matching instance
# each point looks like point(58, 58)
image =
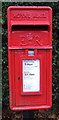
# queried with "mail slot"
point(30, 57)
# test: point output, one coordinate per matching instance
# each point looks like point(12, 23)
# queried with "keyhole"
point(18, 78)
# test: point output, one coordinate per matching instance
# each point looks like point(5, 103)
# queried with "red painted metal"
point(29, 28)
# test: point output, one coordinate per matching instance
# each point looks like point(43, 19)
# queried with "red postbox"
point(30, 57)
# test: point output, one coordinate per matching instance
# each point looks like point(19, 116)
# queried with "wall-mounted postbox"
point(30, 57)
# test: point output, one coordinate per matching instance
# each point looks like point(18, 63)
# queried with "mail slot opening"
point(30, 27)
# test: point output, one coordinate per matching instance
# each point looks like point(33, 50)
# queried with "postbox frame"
point(11, 54)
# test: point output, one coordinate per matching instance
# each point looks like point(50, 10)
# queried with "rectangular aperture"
point(29, 27)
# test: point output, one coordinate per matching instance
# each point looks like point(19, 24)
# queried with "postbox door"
point(33, 97)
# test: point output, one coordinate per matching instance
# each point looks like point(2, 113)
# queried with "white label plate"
point(31, 75)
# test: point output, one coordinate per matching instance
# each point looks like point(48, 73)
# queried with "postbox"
point(30, 57)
